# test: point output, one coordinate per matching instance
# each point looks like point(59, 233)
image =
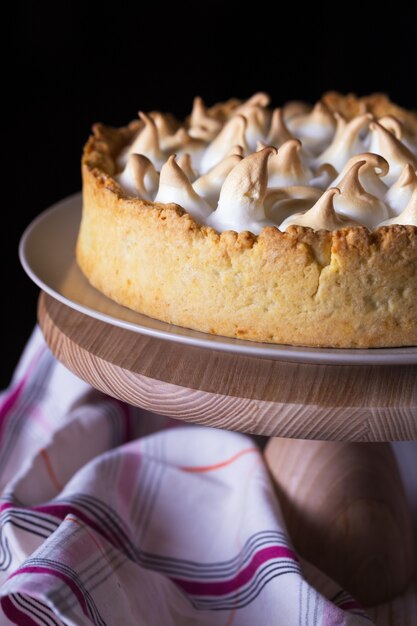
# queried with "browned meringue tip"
point(165, 123)
point(289, 148)
point(139, 160)
point(322, 108)
point(294, 142)
point(236, 150)
point(408, 176)
point(278, 131)
point(293, 108)
point(267, 150)
point(393, 125)
point(147, 119)
point(380, 165)
point(201, 118)
point(259, 99)
point(328, 195)
point(324, 204)
point(260, 145)
point(171, 174)
point(232, 133)
point(326, 168)
point(138, 165)
point(350, 183)
point(391, 143)
point(372, 160)
point(249, 178)
point(198, 106)
point(185, 163)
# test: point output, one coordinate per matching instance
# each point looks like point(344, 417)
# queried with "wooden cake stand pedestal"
point(343, 500)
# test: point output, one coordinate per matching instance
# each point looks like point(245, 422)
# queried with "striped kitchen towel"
point(111, 515)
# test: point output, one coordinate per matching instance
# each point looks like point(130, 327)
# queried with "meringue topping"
point(315, 129)
point(374, 168)
point(286, 167)
point(318, 149)
point(232, 133)
point(139, 178)
point(346, 142)
point(323, 176)
point(278, 131)
point(399, 194)
point(257, 120)
point(241, 202)
point(356, 203)
point(174, 186)
point(283, 202)
point(259, 99)
point(393, 125)
point(202, 124)
point(184, 161)
point(322, 216)
point(165, 124)
point(209, 185)
point(394, 151)
point(408, 216)
point(294, 108)
point(147, 142)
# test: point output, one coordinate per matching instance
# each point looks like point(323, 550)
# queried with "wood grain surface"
point(253, 395)
point(346, 511)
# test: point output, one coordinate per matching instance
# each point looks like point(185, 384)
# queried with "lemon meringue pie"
point(296, 225)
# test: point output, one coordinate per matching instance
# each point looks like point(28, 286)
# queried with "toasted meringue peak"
point(385, 143)
point(241, 199)
point(181, 143)
point(147, 142)
point(185, 163)
point(278, 131)
point(174, 186)
point(374, 168)
point(177, 141)
point(257, 123)
point(393, 125)
point(223, 110)
point(139, 177)
point(282, 202)
point(259, 99)
point(400, 192)
point(201, 117)
point(294, 108)
point(321, 216)
point(202, 124)
point(208, 186)
point(408, 216)
point(286, 167)
point(165, 123)
point(236, 150)
point(323, 176)
point(315, 129)
point(356, 203)
point(232, 133)
point(346, 142)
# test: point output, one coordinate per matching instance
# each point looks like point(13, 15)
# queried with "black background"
point(71, 64)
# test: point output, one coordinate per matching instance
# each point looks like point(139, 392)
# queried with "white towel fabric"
point(111, 515)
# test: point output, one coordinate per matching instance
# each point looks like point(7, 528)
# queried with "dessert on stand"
point(255, 269)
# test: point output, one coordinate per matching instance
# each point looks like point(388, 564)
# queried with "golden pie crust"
point(350, 288)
